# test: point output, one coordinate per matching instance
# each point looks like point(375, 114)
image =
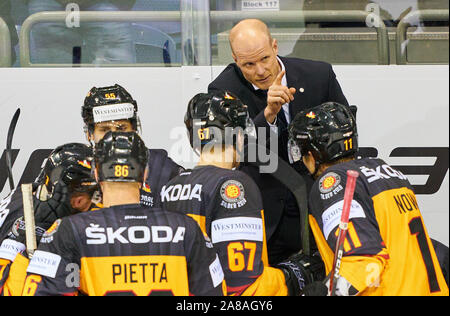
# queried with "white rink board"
point(398, 106)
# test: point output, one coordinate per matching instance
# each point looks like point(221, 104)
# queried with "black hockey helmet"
point(72, 164)
point(121, 157)
point(109, 104)
point(214, 117)
point(328, 131)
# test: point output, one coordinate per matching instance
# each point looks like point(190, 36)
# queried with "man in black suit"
point(275, 90)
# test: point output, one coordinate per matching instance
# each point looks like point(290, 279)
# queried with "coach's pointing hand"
point(276, 97)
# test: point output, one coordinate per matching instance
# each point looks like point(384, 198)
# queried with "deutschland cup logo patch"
point(233, 194)
point(328, 182)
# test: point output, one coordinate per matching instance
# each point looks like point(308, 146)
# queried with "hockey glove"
point(57, 206)
point(301, 270)
point(317, 288)
point(45, 213)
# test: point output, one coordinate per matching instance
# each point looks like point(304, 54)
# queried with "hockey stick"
point(290, 178)
point(352, 175)
point(28, 215)
point(12, 128)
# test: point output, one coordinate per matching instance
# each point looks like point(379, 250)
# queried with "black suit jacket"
point(315, 83)
point(319, 84)
point(316, 78)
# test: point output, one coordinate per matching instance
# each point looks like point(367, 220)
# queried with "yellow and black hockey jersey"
point(13, 272)
point(387, 250)
point(12, 276)
point(124, 250)
point(13, 261)
point(227, 206)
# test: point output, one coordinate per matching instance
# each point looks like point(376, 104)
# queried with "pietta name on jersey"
point(125, 250)
point(96, 235)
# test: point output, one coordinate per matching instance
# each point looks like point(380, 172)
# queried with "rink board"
point(403, 117)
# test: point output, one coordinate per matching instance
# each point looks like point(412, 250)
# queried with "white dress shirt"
point(285, 107)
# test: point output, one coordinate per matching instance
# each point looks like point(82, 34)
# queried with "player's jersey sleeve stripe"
point(201, 221)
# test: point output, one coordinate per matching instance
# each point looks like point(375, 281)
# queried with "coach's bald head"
point(255, 52)
point(247, 31)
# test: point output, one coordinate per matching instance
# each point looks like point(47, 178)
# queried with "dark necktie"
point(262, 94)
point(281, 121)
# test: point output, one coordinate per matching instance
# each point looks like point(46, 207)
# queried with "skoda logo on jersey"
point(179, 192)
point(329, 181)
point(96, 235)
point(233, 194)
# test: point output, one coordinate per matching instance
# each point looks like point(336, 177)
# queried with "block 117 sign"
point(250, 5)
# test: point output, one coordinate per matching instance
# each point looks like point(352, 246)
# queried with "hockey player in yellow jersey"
point(63, 187)
point(113, 108)
point(387, 250)
point(124, 248)
point(227, 204)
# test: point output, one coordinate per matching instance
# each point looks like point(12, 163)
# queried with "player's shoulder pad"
point(157, 155)
point(236, 175)
point(47, 237)
point(379, 175)
point(59, 229)
point(160, 155)
point(158, 152)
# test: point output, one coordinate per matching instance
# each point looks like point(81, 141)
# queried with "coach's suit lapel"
point(295, 80)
